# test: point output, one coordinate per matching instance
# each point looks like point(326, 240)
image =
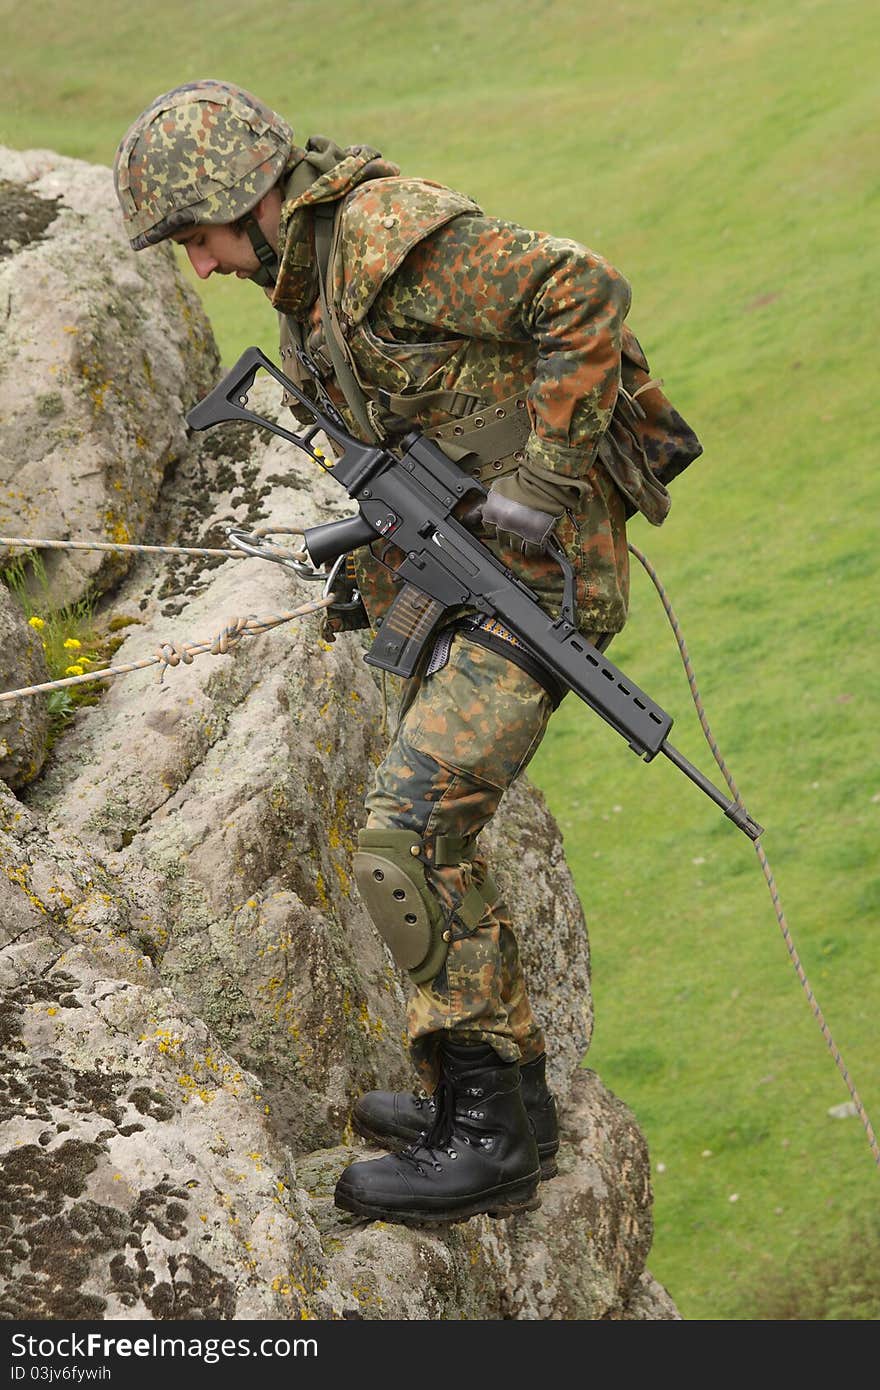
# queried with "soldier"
point(510, 348)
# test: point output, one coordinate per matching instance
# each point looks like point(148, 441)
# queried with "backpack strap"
point(327, 223)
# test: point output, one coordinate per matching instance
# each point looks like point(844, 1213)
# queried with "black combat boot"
point(479, 1155)
point(394, 1118)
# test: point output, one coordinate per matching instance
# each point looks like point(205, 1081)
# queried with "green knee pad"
point(390, 875)
point(391, 880)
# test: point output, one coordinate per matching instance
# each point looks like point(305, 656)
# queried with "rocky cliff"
point(192, 993)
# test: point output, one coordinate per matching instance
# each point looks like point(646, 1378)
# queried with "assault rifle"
point(411, 498)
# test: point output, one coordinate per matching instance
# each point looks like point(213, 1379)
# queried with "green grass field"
point(720, 155)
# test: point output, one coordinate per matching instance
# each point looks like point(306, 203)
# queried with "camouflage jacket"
point(433, 295)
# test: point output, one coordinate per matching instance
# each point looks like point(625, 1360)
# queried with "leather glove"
point(515, 525)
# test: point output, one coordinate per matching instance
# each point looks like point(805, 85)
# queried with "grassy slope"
point(719, 155)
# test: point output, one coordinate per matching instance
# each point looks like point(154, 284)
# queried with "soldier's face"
point(218, 250)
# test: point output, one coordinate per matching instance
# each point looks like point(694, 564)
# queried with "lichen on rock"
point(101, 355)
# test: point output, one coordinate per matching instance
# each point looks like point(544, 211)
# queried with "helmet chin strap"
point(269, 265)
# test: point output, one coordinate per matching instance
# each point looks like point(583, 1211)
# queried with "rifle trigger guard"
point(262, 549)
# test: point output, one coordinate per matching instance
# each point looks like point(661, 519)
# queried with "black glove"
point(514, 524)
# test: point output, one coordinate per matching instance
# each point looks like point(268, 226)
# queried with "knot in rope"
point(230, 635)
point(171, 654)
point(225, 642)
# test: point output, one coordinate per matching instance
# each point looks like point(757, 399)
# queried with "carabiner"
point(262, 549)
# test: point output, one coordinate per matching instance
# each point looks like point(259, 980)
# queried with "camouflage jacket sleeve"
point(482, 278)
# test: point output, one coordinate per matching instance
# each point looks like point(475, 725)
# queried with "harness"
point(495, 435)
point(491, 437)
point(488, 632)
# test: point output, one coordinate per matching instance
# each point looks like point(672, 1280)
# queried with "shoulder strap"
point(326, 228)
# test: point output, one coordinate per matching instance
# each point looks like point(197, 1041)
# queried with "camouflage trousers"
point(465, 734)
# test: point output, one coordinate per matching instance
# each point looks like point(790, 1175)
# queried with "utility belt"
point(487, 441)
point(488, 632)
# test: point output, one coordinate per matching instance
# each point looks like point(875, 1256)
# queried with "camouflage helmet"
point(206, 152)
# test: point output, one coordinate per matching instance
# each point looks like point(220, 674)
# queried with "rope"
point(762, 858)
point(173, 653)
point(32, 543)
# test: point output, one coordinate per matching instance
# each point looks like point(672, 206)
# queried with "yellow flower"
point(72, 644)
point(36, 623)
point(74, 671)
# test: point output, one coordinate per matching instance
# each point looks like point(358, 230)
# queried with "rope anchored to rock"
point(173, 653)
point(227, 639)
point(241, 551)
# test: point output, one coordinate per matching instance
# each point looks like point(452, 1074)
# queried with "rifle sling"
point(514, 651)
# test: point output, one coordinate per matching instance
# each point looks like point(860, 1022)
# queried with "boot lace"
point(448, 1122)
point(436, 1140)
